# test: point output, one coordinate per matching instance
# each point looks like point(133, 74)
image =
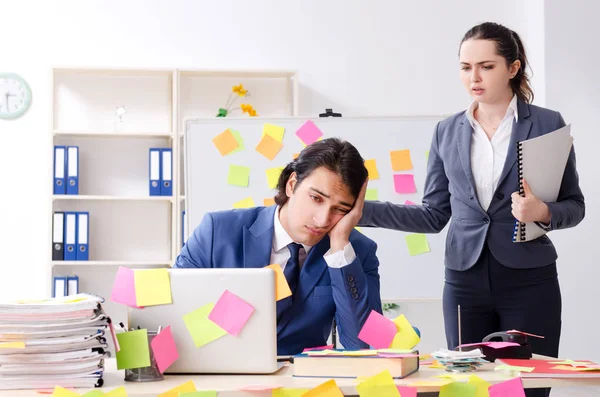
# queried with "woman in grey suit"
point(472, 182)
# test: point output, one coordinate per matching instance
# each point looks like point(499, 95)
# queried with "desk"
point(229, 385)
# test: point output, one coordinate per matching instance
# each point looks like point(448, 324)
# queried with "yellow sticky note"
point(274, 131)
point(225, 142)
point(371, 166)
point(60, 392)
point(269, 147)
point(273, 176)
point(481, 385)
point(431, 383)
point(12, 345)
point(406, 338)
point(401, 160)
point(282, 289)
point(358, 229)
point(152, 287)
point(118, 392)
point(372, 194)
point(238, 175)
point(288, 392)
point(268, 201)
point(458, 389)
point(248, 202)
point(380, 385)
point(417, 244)
point(202, 330)
point(327, 389)
point(184, 388)
point(427, 155)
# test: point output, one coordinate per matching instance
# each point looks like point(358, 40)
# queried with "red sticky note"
point(124, 287)
point(512, 388)
point(231, 313)
point(164, 349)
point(308, 133)
point(407, 391)
point(327, 347)
point(408, 202)
point(378, 331)
point(404, 183)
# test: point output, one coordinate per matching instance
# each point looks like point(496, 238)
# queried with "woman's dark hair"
point(510, 47)
point(334, 154)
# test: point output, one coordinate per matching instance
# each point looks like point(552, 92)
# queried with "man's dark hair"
point(335, 155)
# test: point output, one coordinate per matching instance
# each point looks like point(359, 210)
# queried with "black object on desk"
point(330, 113)
point(523, 351)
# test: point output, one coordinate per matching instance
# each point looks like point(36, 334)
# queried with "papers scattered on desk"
point(459, 361)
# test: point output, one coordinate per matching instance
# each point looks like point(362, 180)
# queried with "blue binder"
point(72, 169)
point(59, 289)
point(60, 167)
point(83, 233)
point(166, 172)
point(154, 170)
point(72, 285)
point(183, 227)
point(70, 240)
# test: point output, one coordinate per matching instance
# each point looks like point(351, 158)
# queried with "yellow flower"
point(239, 89)
point(246, 108)
point(252, 113)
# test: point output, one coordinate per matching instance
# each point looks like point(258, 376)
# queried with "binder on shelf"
point(166, 172)
point(72, 285)
point(72, 169)
point(60, 287)
point(70, 236)
point(58, 227)
point(60, 165)
point(183, 228)
point(154, 171)
point(83, 231)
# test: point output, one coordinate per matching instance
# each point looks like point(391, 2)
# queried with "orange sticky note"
point(269, 147)
point(282, 289)
point(186, 387)
point(327, 389)
point(401, 160)
point(296, 155)
point(225, 142)
point(269, 201)
point(371, 166)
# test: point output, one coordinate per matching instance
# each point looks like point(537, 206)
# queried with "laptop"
point(253, 351)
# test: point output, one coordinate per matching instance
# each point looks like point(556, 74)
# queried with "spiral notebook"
point(542, 161)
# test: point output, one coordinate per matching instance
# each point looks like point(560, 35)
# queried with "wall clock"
point(15, 96)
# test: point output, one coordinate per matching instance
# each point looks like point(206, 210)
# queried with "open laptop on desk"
point(254, 350)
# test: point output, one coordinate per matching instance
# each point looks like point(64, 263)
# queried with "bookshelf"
point(127, 226)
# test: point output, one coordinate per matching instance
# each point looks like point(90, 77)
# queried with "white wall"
point(573, 88)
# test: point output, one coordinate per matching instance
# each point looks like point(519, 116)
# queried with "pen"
point(159, 329)
point(123, 327)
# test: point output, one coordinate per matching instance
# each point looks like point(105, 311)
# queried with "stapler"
point(522, 351)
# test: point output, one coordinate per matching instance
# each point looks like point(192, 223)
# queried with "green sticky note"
point(202, 330)
point(93, 393)
point(458, 389)
point(273, 176)
point(209, 393)
point(427, 155)
point(134, 351)
point(417, 244)
point(372, 194)
point(288, 392)
point(238, 137)
point(239, 175)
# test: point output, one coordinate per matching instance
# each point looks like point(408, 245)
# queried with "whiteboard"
point(402, 276)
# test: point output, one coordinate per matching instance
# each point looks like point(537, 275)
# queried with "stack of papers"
point(459, 361)
point(53, 342)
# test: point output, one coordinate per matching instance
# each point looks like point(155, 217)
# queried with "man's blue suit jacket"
point(243, 239)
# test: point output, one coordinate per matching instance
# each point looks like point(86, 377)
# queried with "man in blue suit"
point(331, 268)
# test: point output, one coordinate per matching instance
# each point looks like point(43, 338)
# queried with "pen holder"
point(146, 374)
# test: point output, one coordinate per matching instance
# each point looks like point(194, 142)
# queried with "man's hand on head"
point(339, 236)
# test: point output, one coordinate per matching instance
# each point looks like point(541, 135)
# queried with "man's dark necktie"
point(292, 267)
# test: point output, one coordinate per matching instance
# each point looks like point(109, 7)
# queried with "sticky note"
point(259, 387)
point(309, 349)
point(430, 383)
point(231, 313)
point(202, 330)
point(248, 202)
point(512, 388)
point(407, 391)
point(12, 345)
point(481, 385)
point(401, 160)
point(206, 393)
point(417, 244)
point(296, 155)
point(118, 392)
point(282, 288)
point(184, 388)
point(404, 183)
point(164, 349)
point(123, 290)
point(269, 147)
point(406, 337)
point(225, 142)
point(152, 287)
point(288, 392)
point(380, 385)
point(273, 176)
point(327, 389)
point(371, 166)
point(238, 139)
point(378, 331)
point(358, 229)
point(408, 202)
point(309, 133)
point(372, 194)
point(61, 392)
point(239, 175)
point(98, 393)
point(427, 155)
point(134, 352)
point(268, 201)
point(274, 131)
point(459, 389)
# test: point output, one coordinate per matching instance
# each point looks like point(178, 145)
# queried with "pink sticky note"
point(164, 349)
point(231, 313)
point(124, 287)
point(378, 331)
point(404, 183)
point(328, 347)
point(407, 391)
point(408, 202)
point(512, 388)
point(309, 133)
